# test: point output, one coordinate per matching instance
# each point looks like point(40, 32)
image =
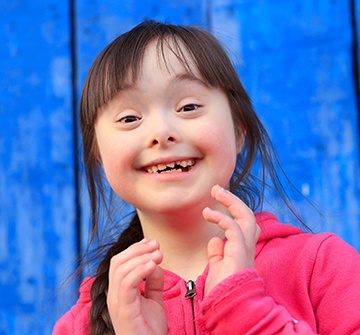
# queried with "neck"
point(183, 240)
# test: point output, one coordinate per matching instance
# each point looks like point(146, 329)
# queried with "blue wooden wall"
point(298, 59)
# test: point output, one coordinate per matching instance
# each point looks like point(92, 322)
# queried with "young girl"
point(165, 117)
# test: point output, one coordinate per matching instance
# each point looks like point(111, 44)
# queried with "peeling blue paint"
point(295, 59)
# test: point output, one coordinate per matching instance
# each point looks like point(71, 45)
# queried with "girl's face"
point(166, 139)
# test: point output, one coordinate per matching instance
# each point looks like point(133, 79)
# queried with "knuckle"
point(116, 260)
point(124, 285)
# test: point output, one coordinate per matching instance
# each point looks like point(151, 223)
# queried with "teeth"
point(161, 167)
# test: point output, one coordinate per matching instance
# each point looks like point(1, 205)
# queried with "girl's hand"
point(242, 233)
point(130, 311)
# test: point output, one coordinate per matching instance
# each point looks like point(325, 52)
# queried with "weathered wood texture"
point(37, 188)
point(296, 59)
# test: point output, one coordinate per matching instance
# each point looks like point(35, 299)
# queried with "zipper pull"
point(190, 292)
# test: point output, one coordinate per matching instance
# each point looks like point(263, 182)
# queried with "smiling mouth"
point(178, 166)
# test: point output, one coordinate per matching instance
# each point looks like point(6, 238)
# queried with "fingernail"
point(150, 263)
point(155, 253)
point(222, 189)
point(152, 242)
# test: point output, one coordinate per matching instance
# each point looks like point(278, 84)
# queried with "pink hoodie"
point(302, 284)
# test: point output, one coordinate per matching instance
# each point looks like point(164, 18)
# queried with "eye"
point(129, 119)
point(189, 108)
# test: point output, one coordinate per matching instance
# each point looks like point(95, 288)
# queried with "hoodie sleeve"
point(329, 270)
point(239, 305)
point(335, 287)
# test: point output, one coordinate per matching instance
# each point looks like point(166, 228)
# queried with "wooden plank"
point(295, 59)
point(98, 23)
point(356, 28)
point(37, 193)
point(355, 7)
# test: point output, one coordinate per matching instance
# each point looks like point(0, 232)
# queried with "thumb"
point(154, 285)
point(215, 250)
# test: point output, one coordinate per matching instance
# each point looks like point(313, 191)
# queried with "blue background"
point(299, 61)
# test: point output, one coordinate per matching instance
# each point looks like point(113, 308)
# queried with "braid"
point(100, 319)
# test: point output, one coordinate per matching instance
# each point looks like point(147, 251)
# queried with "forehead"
point(170, 57)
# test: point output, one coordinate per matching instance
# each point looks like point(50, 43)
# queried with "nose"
point(162, 131)
point(162, 141)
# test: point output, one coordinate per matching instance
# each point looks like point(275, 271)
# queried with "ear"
point(240, 138)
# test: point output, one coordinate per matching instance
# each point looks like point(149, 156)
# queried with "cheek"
point(220, 144)
point(118, 172)
point(115, 157)
point(219, 137)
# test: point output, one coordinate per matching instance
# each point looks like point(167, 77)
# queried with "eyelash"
point(133, 118)
point(125, 119)
point(182, 109)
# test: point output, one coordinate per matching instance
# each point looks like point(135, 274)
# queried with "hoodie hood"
point(271, 229)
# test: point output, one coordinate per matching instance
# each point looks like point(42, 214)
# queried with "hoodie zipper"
point(190, 294)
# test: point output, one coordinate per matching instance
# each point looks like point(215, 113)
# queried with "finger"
point(124, 281)
point(129, 268)
point(135, 250)
point(237, 237)
point(215, 250)
point(134, 278)
point(121, 271)
point(233, 204)
point(241, 213)
point(237, 252)
point(126, 291)
point(154, 285)
point(232, 230)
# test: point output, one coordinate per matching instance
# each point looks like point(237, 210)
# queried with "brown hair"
point(120, 62)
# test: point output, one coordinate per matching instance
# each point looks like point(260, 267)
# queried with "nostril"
point(162, 141)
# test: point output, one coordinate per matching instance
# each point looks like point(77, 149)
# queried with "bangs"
point(119, 64)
